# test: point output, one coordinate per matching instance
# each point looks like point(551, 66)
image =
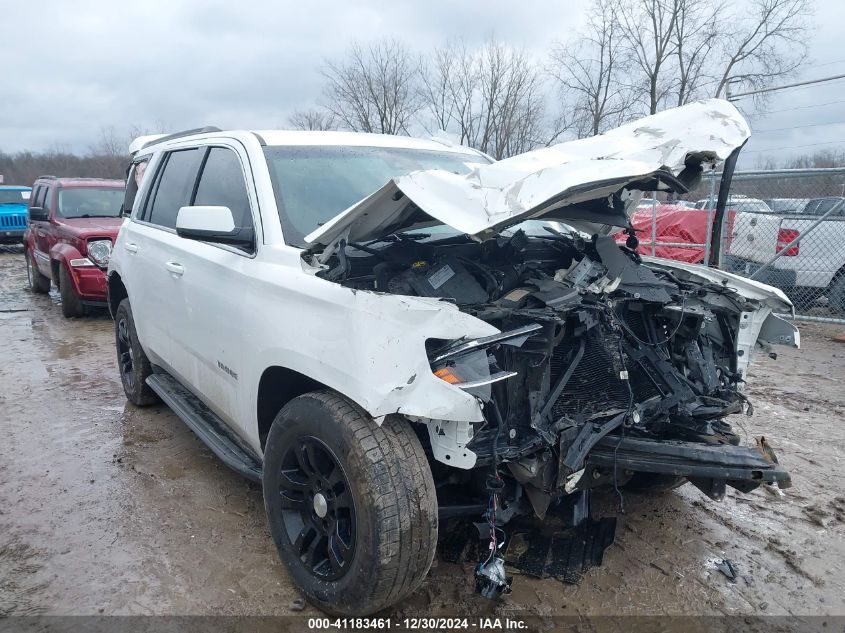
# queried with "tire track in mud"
point(20, 565)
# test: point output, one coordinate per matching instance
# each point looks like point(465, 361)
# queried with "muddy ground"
point(106, 508)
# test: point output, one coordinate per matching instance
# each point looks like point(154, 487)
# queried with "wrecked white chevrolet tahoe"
point(388, 332)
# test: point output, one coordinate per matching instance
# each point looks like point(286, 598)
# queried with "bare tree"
point(450, 80)
point(312, 119)
point(437, 90)
point(768, 43)
point(492, 98)
point(648, 29)
point(374, 89)
point(696, 35)
point(511, 107)
point(590, 73)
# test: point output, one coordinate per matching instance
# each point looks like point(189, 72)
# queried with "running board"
point(205, 423)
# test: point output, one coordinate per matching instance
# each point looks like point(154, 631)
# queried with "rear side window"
point(222, 185)
point(174, 187)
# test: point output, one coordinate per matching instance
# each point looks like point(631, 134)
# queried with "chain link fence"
point(785, 228)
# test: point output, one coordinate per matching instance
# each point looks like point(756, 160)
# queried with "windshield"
point(13, 196)
point(90, 202)
point(313, 184)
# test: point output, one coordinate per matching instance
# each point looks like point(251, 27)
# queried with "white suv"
point(386, 331)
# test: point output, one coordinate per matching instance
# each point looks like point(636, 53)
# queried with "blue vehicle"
point(13, 204)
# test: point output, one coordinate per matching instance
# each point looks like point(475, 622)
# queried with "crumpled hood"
point(550, 182)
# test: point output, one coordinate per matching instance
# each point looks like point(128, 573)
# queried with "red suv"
point(73, 223)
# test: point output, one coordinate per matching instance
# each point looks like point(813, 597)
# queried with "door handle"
point(174, 268)
point(132, 248)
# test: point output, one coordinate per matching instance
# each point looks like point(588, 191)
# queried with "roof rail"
point(47, 177)
point(175, 135)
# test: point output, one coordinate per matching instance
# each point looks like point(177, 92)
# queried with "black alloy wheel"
point(124, 353)
point(132, 362)
point(318, 510)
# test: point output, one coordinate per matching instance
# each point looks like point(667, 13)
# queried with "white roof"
point(308, 137)
point(359, 139)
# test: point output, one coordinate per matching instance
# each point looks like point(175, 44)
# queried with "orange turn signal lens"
point(446, 374)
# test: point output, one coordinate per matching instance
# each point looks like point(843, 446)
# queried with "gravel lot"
point(106, 508)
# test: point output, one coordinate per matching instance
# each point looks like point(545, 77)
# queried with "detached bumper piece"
point(710, 467)
point(566, 544)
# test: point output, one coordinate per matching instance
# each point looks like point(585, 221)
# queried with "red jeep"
point(73, 223)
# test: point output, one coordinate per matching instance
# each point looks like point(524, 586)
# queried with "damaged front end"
point(608, 368)
point(605, 366)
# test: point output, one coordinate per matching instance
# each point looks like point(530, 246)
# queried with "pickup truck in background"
point(813, 268)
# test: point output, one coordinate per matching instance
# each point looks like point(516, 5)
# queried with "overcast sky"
point(71, 68)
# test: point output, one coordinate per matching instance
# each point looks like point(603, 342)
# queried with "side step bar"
point(205, 423)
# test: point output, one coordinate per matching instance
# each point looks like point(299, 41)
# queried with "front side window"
point(88, 202)
point(174, 187)
point(222, 184)
point(312, 184)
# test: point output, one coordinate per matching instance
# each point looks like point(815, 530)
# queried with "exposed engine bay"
point(601, 359)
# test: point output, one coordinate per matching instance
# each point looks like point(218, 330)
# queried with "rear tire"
point(351, 505)
point(71, 305)
point(654, 483)
point(38, 283)
point(836, 294)
point(132, 362)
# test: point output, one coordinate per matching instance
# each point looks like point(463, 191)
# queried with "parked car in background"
point(820, 206)
point(13, 203)
point(812, 268)
point(740, 204)
point(786, 205)
point(73, 223)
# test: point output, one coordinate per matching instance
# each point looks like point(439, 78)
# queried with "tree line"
point(632, 58)
point(107, 157)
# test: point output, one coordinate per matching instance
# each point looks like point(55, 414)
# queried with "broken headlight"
point(470, 364)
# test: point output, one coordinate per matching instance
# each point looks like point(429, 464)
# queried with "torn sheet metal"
point(536, 183)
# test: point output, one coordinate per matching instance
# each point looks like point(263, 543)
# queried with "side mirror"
point(38, 214)
point(212, 224)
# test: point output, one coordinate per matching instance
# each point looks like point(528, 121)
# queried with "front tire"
point(38, 283)
point(71, 305)
point(351, 504)
point(132, 362)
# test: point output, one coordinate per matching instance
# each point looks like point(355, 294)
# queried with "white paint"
point(205, 218)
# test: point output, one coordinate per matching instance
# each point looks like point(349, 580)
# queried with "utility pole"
point(733, 97)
